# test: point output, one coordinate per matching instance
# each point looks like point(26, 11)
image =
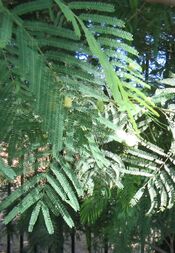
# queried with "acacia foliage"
point(68, 79)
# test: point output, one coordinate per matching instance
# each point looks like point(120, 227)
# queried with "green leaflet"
point(20, 191)
point(57, 206)
point(47, 219)
point(112, 31)
point(6, 170)
point(88, 91)
point(72, 176)
point(58, 127)
point(57, 187)
point(91, 209)
point(111, 78)
point(60, 190)
point(143, 103)
point(66, 185)
point(169, 81)
point(145, 155)
point(170, 171)
point(31, 198)
point(24, 52)
point(123, 58)
point(153, 197)
point(50, 29)
point(154, 148)
point(140, 94)
point(78, 5)
point(162, 95)
point(31, 6)
point(109, 172)
point(5, 30)
point(138, 81)
point(69, 16)
point(137, 196)
point(97, 153)
point(61, 43)
point(113, 43)
point(50, 202)
point(163, 188)
point(145, 164)
point(136, 172)
point(34, 216)
point(72, 61)
point(96, 18)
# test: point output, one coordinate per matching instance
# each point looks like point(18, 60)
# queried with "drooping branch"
point(166, 2)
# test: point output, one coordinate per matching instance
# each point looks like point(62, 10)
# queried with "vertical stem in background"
point(21, 243)
point(89, 239)
point(142, 240)
point(142, 245)
point(105, 245)
point(58, 245)
point(21, 238)
point(35, 249)
point(49, 250)
point(8, 241)
point(172, 243)
point(73, 241)
point(8, 226)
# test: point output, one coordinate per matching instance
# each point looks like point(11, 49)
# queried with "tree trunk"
point(73, 241)
point(35, 249)
point(21, 239)
point(89, 239)
point(105, 245)
point(8, 226)
point(142, 247)
point(8, 241)
point(49, 250)
point(142, 242)
point(58, 246)
point(172, 244)
point(21, 243)
point(166, 2)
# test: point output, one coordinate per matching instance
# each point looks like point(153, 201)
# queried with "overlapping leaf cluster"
point(57, 85)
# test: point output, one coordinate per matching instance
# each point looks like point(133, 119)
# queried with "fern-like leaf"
point(20, 191)
point(5, 30)
point(34, 216)
point(58, 207)
point(72, 176)
point(69, 16)
point(31, 6)
point(31, 198)
point(66, 185)
point(78, 5)
point(47, 219)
